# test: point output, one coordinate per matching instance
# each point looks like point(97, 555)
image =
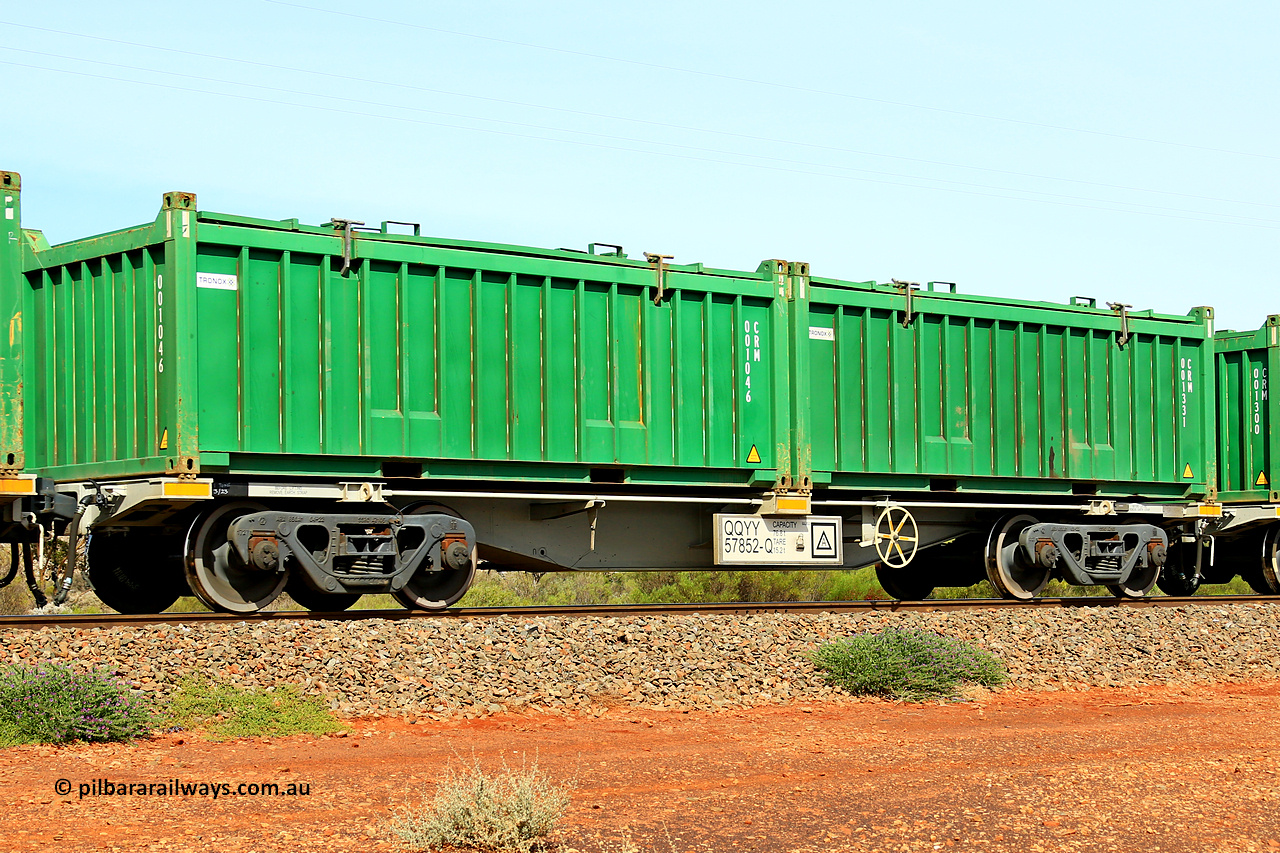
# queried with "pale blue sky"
point(1125, 151)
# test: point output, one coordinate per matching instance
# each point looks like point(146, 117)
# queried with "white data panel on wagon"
point(743, 540)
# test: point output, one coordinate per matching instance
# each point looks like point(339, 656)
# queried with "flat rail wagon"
point(231, 407)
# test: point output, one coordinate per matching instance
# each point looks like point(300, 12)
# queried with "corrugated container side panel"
point(433, 361)
point(1244, 421)
point(721, 371)
point(528, 414)
point(877, 386)
point(688, 359)
point(1188, 437)
point(959, 396)
point(1169, 408)
point(561, 386)
point(930, 394)
point(490, 387)
point(342, 393)
point(41, 371)
point(1229, 418)
point(824, 404)
point(904, 428)
point(261, 336)
point(382, 353)
point(1256, 423)
point(628, 378)
point(1005, 392)
point(418, 332)
point(594, 323)
point(957, 409)
point(981, 397)
point(93, 359)
point(1120, 411)
point(850, 397)
point(1102, 354)
point(301, 343)
point(660, 393)
point(1235, 396)
point(456, 362)
point(1140, 376)
point(1028, 359)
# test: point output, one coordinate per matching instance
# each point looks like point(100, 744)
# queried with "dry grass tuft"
point(512, 811)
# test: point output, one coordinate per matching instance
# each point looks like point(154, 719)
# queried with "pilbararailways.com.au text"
point(181, 788)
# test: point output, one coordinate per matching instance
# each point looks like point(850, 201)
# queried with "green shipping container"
point(203, 343)
point(952, 392)
point(1248, 445)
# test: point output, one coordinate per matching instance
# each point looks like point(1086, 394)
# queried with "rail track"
point(116, 620)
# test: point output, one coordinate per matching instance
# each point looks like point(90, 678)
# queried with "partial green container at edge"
point(1248, 443)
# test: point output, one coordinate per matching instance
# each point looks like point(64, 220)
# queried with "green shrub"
point(907, 664)
point(51, 703)
point(227, 711)
point(508, 812)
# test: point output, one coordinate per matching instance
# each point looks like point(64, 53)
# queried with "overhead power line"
point(770, 83)
point(630, 119)
point(1222, 219)
point(364, 101)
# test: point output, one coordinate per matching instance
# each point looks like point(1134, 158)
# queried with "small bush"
point(227, 711)
point(51, 703)
point(907, 664)
point(509, 812)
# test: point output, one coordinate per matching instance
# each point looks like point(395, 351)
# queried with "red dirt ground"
point(1168, 769)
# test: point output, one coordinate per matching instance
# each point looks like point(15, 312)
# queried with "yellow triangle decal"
point(753, 458)
point(164, 439)
point(1262, 479)
point(1186, 472)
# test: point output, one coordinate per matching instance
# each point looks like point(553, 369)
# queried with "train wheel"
point(1238, 555)
point(134, 572)
point(436, 590)
point(1179, 577)
point(902, 585)
point(319, 602)
point(1271, 560)
point(1010, 572)
point(1139, 584)
point(217, 575)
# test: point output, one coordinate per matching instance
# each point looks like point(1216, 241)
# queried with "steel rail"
point(116, 620)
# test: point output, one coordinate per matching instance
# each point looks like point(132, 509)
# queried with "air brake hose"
point(13, 569)
point(29, 569)
point(73, 548)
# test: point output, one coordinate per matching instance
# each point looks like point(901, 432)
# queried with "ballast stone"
point(449, 668)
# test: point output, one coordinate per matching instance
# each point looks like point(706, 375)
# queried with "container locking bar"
point(660, 267)
point(906, 287)
point(1124, 320)
point(347, 226)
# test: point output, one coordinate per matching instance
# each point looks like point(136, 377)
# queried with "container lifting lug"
point(347, 226)
point(906, 287)
point(660, 266)
point(1124, 320)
